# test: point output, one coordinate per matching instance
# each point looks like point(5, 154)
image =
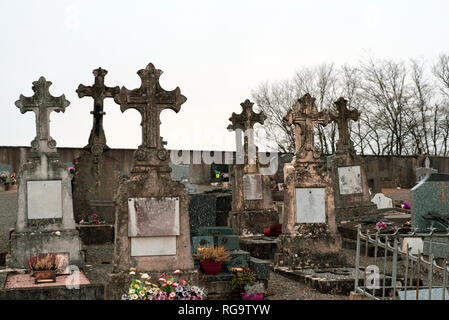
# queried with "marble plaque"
point(252, 187)
point(310, 205)
point(382, 201)
point(350, 180)
point(44, 199)
point(152, 217)
point(153, 246)
point(415, 245)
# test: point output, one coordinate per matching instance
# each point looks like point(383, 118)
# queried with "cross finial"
point(342, 118)
point(42, 103)
point(99, 92)
point(304, 116)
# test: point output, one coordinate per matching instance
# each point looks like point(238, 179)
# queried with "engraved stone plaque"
point(44, 199)
point(252, 187)
point(152, 217)
point(350, 180)
point(310, 205)
point(153, 246)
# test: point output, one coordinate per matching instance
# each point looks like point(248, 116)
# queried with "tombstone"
point(152, 220)
point(252, 204)
point(45, 221)
point(382, 201)
point(96, 175)
point(309, 230)
point(430, 208)
point(424, 169)
point(351, 192)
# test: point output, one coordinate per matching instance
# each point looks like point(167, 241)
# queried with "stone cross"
point(150, 99)
point(97, 139)
point(342, 118)
point(245, 121)
point(304, 115)
point(42, 103)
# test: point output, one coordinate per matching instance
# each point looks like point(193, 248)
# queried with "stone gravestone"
point(96, 176)
point(152, 222)
point(430, 208)
point(382, 201)
point(423, 170)
point(309, 231)
point(45, 221)
point(351, 192)
point(252, 205)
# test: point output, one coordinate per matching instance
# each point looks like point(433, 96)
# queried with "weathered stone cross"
point(304, 115)
point(245, 121)
point(42, 103)
point(97, 138)
point(150, 99)
point(344, 143)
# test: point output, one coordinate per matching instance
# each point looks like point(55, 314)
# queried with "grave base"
point(252, 221)
point(25, 244)
point(259, 247)
point(96, 234)
point(356, 212)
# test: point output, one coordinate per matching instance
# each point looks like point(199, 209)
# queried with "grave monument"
point(309, 232)
point(252, 204)
point(152, 221)
point(45, 221)
point(424, 169)
point(351, 192)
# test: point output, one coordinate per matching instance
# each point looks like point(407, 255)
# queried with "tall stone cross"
point(304, 115)
point(42, 103)
point(342, 118)
point(150, 99)
point(97, 138)
point(245, 121)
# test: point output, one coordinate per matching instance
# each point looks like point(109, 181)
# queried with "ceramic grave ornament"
point(252, 204)
point(309, 231)
point(45, 221)
point(351, 192)
point(152, 221)
point(96, 173)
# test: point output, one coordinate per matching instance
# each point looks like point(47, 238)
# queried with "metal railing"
point(391, 273)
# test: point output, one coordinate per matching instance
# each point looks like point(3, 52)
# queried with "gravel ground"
point(8, 216)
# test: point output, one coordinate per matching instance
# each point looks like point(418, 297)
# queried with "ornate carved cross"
point(150, 99)
point(245, 121)
point(342, 118)
point(42, 103)
point(304, 115)
point(97, 138)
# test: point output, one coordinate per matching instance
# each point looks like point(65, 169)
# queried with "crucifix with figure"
point(150, 99)
point(42, 103)
point(304, 116)
point(99, 92)
point(245, 121)
point(342, 118)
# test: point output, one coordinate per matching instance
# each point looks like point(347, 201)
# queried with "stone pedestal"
point(351, 193)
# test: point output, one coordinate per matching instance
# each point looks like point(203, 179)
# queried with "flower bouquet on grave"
point(4, 177)
point(242, 277)
point(72, 169)
point(166, 288)
point(253, 291)
point(93, 219)
point(212, 258)
point(43, 267)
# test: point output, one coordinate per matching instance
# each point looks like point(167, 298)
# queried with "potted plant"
point(253, 291)
point(212, 258)
point(43, 267)
point(242, 277)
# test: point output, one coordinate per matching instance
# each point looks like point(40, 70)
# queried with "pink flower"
point(94, 216)
point(183, 282)
point(177, 271)
point(381, 224)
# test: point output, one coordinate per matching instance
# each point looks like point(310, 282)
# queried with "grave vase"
point(211, 267)
point(44, 276)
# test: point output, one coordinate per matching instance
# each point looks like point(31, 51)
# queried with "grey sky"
point(215, 51)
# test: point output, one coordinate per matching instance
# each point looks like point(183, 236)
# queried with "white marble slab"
point(381, 201)
point(44, 199)
point(414, 244)
point(153, 246)
point(310, 205)
point(252, 187)
point(350, 180)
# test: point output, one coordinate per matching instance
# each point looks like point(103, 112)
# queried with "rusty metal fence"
point(390, 269)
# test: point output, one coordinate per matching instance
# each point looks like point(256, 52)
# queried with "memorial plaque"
point(44, 199)
point(350, 180)
point(153, 246)
point(310, 205)
point(152, 217)
point(252, 187)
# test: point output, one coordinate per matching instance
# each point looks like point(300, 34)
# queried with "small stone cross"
point(42, 103)
point(97, 138)
point(342, 118)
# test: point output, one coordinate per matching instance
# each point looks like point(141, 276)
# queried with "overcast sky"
point(215, 51)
